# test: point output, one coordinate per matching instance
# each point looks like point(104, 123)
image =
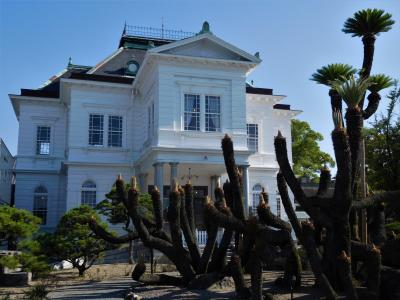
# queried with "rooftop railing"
point(156, 33)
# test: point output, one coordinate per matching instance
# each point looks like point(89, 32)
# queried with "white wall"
point(94, 100)
point(32, 115)
point(176, 79)
point(103, 177)
point(27, 183)
point(6, 173)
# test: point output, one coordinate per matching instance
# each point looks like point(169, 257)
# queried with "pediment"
point(206, 46)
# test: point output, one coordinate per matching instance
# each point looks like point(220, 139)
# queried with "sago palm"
point(368, 23)
point(378, 83)
point(330, 73)
point(352, 90)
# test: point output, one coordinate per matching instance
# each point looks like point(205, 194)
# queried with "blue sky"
point(294, 38)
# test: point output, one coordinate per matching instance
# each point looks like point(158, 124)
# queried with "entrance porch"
point(204, 178)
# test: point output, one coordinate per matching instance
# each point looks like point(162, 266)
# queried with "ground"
point(113, 282)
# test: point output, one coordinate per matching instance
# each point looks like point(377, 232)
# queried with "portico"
point(205, 170)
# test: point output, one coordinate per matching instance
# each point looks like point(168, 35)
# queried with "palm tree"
point(331, 73)
point(368, 23)
point(379, 82)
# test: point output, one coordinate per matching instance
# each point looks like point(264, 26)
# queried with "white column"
point(174, 172)
point(159, 179)
point(143, 182)
point(245, 178)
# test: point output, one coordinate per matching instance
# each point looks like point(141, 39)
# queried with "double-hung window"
point(213, 113)
point(40, 203)
point(192, 112)
point(88, 193)
point(43, 140)
point(252, 137)
point(96, 129)
point(114, 131)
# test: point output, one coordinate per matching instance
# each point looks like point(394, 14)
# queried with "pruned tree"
point(200, 270)
point(335, 265)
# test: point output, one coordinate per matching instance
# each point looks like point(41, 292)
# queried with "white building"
point(6, 173)
point(156, 108)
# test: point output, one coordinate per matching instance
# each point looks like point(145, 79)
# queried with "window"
point(96, 128)
point(43, 140)
point(114, 131)
point(257, 189)
point(40, 203)
point(278, 206)
point(192, 112)
point(88, 194)
point(252, 137)
point(213, 113)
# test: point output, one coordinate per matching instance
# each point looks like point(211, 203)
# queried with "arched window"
point(88, 194)
point(257, 189)
point(40, 203)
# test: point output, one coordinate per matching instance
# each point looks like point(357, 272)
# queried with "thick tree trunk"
point(369, 48)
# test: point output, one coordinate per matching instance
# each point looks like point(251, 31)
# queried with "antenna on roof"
point(69, 62)
point(124, 32)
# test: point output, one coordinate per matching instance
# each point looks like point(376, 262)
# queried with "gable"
point(206, 45)
point(207, 49)
point(117, 63)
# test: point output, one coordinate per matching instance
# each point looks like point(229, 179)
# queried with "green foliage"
point(352, 90)
point(368, 22)
point(308, 159)
point(17, 223)
point(115, 210)
point(31, 259)
point(37, 292)
point(382, 147)
point(395, 227)
point(332, 72)
point(74, 241)
point(380, 82)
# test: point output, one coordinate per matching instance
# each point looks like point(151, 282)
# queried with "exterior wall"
point(34, 114)
point(94, 100)
point(6, 173)
point(263, 164)
point(176, 79)
point(27, 183)
point(104, 177)
point(267, 179)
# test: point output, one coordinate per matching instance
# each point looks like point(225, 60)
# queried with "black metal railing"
point(156, 33)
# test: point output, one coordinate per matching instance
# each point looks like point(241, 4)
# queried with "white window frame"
point(217, 129)
point(38, 148)
point(278, 205)
point(37, 210)
point(94, 131)
point(89, 191)
point(255, 139)
point(197, 114)
point(202, 114)
point(111, 131)
point(255, 195)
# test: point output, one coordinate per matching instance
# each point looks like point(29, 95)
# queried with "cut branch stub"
point(233, 174)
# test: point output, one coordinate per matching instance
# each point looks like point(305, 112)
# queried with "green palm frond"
point(332, 72)
point(368, 22)
point(380, 82)
point(351, 90)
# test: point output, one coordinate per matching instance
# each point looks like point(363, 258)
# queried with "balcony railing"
point(156, 33)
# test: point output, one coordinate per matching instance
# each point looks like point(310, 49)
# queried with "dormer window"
point(132, 67)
